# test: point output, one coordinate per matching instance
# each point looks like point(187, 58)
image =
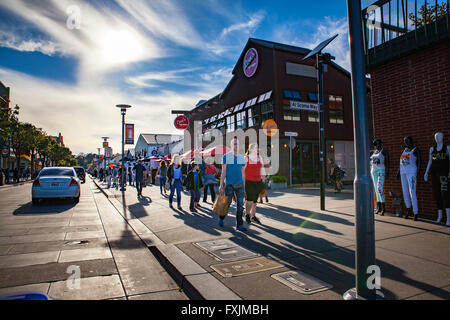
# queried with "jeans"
point(230, 191)
point(205, 192)
point(139, 183)
point(195, 197)
point(176, 185)
point(162, 183)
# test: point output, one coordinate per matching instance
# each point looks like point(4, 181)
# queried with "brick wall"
point(411, 97)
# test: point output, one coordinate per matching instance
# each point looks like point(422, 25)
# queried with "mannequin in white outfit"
point(408, 171)
point(439, 166)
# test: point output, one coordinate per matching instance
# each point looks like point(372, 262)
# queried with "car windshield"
point(57, 172)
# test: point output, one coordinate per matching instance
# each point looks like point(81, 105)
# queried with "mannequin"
point(408, 171)
point(379, 163)
point(439, 166)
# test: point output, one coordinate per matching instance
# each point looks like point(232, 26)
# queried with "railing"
point(421, 21)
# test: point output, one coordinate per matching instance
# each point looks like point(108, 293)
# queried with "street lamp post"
point(105, 142)
point(364, 218)
point(123, 109)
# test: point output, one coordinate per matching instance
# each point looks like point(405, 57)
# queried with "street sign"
point(5, 151)
point(297, 105)
point(181, 122)
point(129, 133)
point(270, 128)
point(108, 152)
point(291, 134)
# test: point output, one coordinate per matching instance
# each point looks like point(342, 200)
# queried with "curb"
point(9, 186)
point(196, 282)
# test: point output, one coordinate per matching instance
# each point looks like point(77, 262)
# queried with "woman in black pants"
point(210, 182)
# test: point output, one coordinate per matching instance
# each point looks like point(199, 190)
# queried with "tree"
point(427, 14)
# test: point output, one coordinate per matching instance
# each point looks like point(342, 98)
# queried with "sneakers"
point(255, 219)
point(242, 228)
point(247, 218)
point(193, 210)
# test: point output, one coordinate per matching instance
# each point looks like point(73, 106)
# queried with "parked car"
point(81, 173)
point(56, 182)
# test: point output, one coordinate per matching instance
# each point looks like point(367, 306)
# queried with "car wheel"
point(35, 201)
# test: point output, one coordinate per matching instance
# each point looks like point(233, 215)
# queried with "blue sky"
point(156, 55)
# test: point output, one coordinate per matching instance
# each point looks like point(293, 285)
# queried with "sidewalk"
point(13, 185)
point(294, 235)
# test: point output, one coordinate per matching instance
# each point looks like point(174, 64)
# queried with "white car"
point(56, 182)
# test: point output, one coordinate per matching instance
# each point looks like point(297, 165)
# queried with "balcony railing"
point(393, 28)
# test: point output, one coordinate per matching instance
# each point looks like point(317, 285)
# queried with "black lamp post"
point(123, 109)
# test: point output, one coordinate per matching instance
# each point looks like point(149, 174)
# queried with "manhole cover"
point(218, 244)
point(242, 267)
point(236, 253)
point(301, 282)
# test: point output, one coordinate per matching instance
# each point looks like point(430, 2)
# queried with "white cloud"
point(247, 27)
point(10, 40)
point(325, 29)
point(149, 79)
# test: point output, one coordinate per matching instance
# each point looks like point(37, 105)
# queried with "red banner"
point(129, 133)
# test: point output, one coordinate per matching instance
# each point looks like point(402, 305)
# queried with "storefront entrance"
point(305, 163)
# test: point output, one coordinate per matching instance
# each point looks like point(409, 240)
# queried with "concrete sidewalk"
point(294, 235)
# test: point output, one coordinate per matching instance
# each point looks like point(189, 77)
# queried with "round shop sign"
point(270, 128)
point(251, 61)
point(181, 122)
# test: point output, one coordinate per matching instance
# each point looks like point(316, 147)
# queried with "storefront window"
point(266, 111)
point(230, 123)
point(313, 97)
point(241, 120)
point(336, 110)
point(292, 94)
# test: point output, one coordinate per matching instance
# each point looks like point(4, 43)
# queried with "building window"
point(290, 114)
point(221, 126)
point(253, 116)
point(241, 122)
point(292, 94)
point(336, 110)
point(313, 116)
point(266, 111)
point(230, 123)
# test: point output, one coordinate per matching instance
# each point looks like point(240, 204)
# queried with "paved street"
point(126, 247)
point(413, 256)
point(39, 244)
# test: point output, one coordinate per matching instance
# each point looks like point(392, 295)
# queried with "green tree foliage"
point(427, 14)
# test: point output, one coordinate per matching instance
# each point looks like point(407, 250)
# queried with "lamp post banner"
point(129, 133)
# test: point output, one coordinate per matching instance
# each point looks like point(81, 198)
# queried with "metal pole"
point(321, 125)
point(364, 220)
point(123, 150)
point(290, 161)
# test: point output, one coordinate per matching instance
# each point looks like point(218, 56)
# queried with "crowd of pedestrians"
point(241, 178)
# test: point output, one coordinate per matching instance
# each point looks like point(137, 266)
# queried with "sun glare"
point(117, 47)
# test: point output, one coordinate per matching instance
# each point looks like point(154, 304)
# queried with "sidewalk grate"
point(225, 250)
point(243, 267)
point(301, 282)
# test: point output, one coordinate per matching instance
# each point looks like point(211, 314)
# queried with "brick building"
point(277, 85)
point(409, 68)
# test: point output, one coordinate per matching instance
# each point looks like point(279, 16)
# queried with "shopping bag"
point(220, 206)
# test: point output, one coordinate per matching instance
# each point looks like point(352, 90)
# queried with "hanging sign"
point(297, 105)
point(270, 128)
point(129, 133)
point(105, 144)
point(181, 122)
point(5, 151)
point(250, 63)
point(108, 152)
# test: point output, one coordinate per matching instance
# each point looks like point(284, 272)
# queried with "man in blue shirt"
point(232, 181)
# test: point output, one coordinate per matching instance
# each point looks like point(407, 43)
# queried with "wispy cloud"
point(247, 27)
point(326, 28)
point(12, 41)
point(151, 79)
